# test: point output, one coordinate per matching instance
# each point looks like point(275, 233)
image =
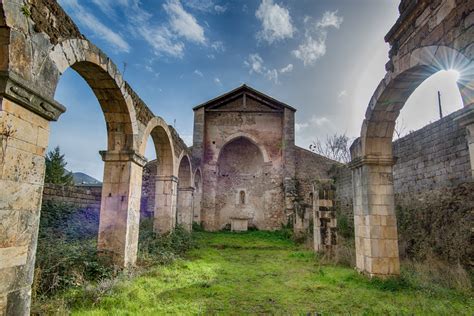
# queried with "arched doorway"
point(240, 182)
point(372, 157)
point(165, 182)
point(184, 210)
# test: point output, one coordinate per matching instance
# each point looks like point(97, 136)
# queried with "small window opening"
point(242, 197)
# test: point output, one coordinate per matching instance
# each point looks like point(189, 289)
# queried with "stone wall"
point(432, 157)
point(309, 168)
point(87, 197)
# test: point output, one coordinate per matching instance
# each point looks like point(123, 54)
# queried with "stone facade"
point(244, 145)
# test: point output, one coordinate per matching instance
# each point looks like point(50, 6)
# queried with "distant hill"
point(81, 178)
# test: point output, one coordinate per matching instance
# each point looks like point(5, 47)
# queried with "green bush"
point(154, 248)
point(66, 254)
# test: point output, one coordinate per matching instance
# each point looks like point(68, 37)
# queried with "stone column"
point(185, 207)
point(120, 206)
point(24, 133)
point(467, 120)
point(375, 223)
point(165, 204)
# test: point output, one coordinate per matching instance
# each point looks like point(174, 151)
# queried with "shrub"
point(154, 248)
point(66, 254)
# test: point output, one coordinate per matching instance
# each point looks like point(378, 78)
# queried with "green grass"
point(264, 273)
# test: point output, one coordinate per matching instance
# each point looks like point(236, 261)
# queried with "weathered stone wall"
point(243, 114)
point(147, 206)
point(432, 157)
point(310, 167)
point(87, 197)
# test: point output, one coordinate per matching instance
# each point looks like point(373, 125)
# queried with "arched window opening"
point(242, 197)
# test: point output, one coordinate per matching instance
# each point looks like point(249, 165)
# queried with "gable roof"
point(240, 91)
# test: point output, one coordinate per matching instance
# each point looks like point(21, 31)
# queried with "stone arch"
point(164, 179)
point(393, 91)
point(372, 159)
point(105, 80)
point(164, 146)
point(121, 190)
point(184, 210)
point(250, 138)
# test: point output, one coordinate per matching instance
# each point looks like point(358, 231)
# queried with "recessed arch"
point(185, 176)
point(164, 147)
point(197, 180)
point(251, 139)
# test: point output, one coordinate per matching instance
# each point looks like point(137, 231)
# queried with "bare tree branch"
point(335, 147)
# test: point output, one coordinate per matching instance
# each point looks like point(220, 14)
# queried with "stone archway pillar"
point(467, 120)
point(120, 206)
point(185, 207)
point(165, 204)
point(24, 136)
point(375, 223)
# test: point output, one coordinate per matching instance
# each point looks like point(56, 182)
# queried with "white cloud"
point(286, 69)
point(318, 121)
point(161, 40)
point(272, 75)
point(99, 30)
point(220, 8)
point(276, 22)
point(217, 81)
point(197, 72)
point(330, 19)
point(256, 65)
point(218, 46)
point(300, 126)
point(183, 23)
point(313, 46)
point(208, 6)
point(313, 122)
point(311, 49)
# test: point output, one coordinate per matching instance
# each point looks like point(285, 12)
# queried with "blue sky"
point(325, 58)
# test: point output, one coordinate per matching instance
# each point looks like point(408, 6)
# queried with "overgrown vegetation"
point(266, 273)
point(437, 224)
point(69, 271)
point(66, 254)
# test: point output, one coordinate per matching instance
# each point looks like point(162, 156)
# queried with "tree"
point(55, 168)
point(336, 147)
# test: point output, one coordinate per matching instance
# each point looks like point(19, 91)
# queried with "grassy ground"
point(263, 273)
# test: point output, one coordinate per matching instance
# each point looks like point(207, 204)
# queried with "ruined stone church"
point(248, 171)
